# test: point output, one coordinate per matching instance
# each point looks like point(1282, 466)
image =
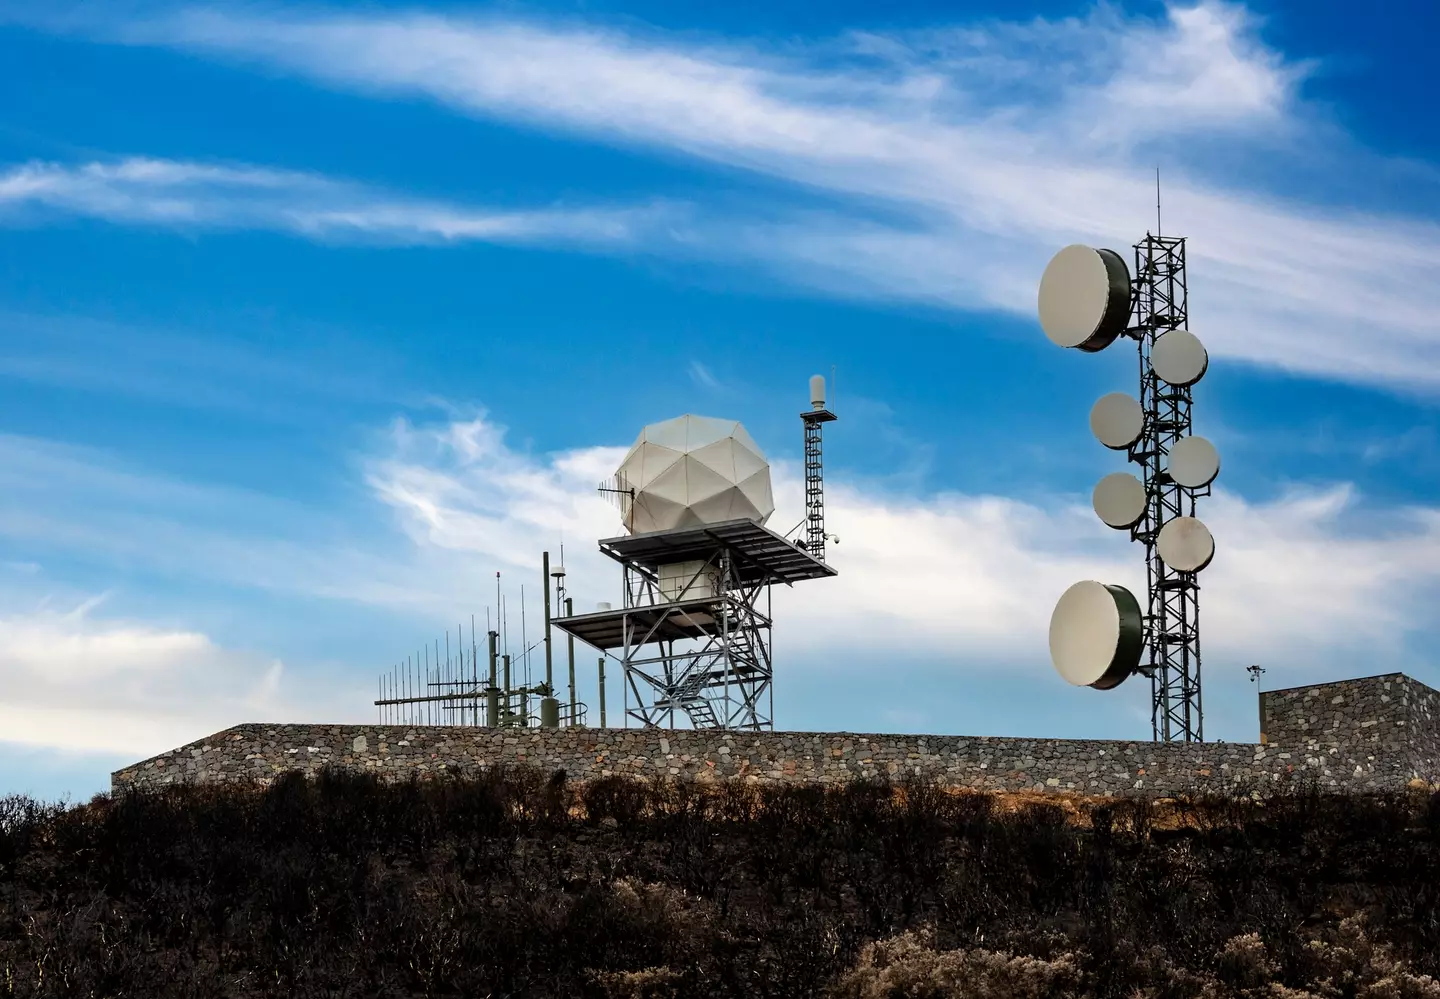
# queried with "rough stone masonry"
point(1375, 733)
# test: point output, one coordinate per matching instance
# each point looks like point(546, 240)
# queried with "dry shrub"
point(1350, 961)
point(647, 983)
point(661, 905)
point(1245, 963)
point(908, 967)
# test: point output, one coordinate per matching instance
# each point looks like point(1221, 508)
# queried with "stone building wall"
point(1364, 740)
point(1424, 727)
point(1372, 710)
point(1392, 715)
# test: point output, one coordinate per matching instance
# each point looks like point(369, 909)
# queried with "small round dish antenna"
point(1186, 544)
point(1179, 358)
point(1085, 298)
point(1117, 420)
point(1119, 500)
point(1096, 635)
point(1194, 462)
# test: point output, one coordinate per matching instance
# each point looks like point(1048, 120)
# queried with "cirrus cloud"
point(951, 161)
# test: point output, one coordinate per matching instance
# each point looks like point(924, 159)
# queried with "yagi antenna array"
point(1099, 633)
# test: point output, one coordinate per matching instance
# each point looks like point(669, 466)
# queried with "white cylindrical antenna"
point(817, 391)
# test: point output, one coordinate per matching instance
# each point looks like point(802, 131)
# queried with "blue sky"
point(316, 317)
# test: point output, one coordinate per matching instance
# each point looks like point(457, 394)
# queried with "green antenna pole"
point(545, 585)
point(509, 712)
point(570, 647)
point(492, 693)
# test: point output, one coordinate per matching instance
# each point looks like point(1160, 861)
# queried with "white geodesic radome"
point(694, 470)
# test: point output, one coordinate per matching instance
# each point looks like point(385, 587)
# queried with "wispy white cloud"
point(173, 193)
point(959, 575)
point(1302, 583)
point(1299, 580)
point(965, 155)
point(702, 376)
point(80, 682)
point(304, 379)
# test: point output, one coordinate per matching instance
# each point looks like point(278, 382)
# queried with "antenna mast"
point(1157, 201)
point(817, 417)
point(1173, 619)
point(1099, 633)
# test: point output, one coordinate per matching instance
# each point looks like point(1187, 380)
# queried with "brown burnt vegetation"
point(519, 884)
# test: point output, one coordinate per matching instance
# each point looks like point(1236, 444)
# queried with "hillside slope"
point(521, 884)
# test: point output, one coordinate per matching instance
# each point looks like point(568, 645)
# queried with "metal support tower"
point(693, 636)
point(815, 482)
point(1172, 623)
point(720, 679)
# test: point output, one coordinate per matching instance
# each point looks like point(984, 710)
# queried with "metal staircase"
point(694, 703)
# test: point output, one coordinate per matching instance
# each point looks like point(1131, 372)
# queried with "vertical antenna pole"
point(570, 648)
point(545, 585)
point(492, 692)
point(1157, 201)
point(602, 691)
point(507, 689)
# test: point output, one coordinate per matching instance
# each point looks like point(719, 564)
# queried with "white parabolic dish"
point(1185, 544)
point(1179, 358)
point(1194, 463)
point(1117, 420)
point(1119, 500)
point(1084, 297)
point(1096, 635)
point(692, 471)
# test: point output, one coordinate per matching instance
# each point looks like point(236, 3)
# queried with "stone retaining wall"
point(1358, 734)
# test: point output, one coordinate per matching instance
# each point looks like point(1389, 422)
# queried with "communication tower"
point(1099, 633)
point(816, 418)
point(693, 634)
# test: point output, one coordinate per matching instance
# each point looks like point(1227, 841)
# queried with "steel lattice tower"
point(696, 645)
point(815, 482)
point(694, 633)
point(1172, 623)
